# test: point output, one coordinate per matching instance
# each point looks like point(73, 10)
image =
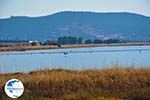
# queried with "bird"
point(65, 53)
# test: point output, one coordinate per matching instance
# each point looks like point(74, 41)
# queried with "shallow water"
point(76, 58)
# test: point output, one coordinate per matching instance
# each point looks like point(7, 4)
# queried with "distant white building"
point(33, 43)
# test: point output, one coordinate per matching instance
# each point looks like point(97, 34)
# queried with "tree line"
point(79, 40)
point(99, 41)
point(75, 40)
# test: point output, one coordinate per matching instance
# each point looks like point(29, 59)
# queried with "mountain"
point(126, 26)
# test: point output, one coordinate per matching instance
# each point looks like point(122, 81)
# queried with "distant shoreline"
point(40, 47)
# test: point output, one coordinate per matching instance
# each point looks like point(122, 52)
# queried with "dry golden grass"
point(102, 84)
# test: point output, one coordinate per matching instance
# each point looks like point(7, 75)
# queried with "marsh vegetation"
point(93, 84)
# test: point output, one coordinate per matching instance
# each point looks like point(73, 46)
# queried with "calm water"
point(77, 58)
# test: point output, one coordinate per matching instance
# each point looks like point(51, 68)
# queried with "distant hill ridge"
point(121, 25)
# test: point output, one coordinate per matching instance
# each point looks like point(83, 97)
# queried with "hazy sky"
point(45, 7)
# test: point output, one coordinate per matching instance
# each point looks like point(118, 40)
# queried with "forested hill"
point(126, 26)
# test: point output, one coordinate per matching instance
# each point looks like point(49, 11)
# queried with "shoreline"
point(40, 47)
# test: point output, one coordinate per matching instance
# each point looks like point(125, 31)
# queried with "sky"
point(46, 7)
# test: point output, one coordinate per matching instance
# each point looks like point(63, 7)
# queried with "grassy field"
point(102, 84)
